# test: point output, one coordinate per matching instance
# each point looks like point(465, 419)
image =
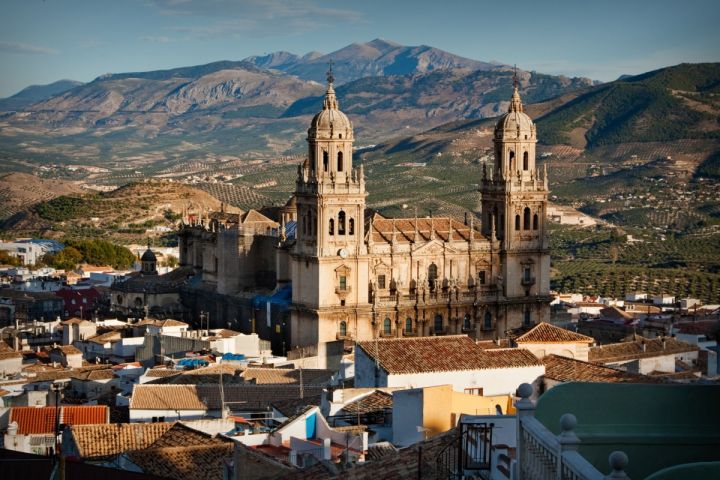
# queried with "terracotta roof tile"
point(442, 354)
point(180, 435)
point(641, 348)
point(197, 462)
point(202, 397)
point(99, 441)
point(377, 401)
point(547, 333)
point(68, 350)
point(382, 229)
point(563, 369)
point(284, 375)
point(33, 420)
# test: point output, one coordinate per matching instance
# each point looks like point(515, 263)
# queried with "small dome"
point(330, 121)
point(515, 123)
point(148, 256)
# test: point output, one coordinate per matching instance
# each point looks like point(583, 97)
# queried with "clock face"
point(343, 253)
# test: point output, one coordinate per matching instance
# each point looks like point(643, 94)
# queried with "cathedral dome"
point(515, 123)
point(330, 121)
point(148, 256)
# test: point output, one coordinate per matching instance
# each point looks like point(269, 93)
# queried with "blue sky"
point(46, 40)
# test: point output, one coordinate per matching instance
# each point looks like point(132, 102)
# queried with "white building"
point(454, 359)
point(545, 339)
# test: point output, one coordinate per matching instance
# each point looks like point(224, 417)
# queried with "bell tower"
point(514, 205)
point(330, 255)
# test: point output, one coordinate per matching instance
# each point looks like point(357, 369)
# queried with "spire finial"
point(515, 78)
point(330, 77)
point(515, 102)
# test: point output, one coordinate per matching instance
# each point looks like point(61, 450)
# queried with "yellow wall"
point(442, 407)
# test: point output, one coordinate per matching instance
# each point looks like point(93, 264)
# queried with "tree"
point(68, 258)
point(7, 259)
point(171, 261)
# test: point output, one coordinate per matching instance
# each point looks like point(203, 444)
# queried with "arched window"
point(343, 328)
point(408, 325)
point(325, 161)
point(535, 222)
point(526, 218)
point(340, 162)
point(341, 223)
point(487, 321)
point(313, 224)
point(351, 226)
point(517, 222)
point(525, 160)
point(438, 323)
point(466, 322)
point(331, 230)
point(512, 157)
point(432, 275)
point(387, 326)
point(526, 318)
point(304, 224)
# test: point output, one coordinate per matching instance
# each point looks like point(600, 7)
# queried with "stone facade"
point(357, 275)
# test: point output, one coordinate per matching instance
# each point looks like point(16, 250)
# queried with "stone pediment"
point(435, 247)
point(380, 265)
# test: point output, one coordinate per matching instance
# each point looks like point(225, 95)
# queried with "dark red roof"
point(33, 420)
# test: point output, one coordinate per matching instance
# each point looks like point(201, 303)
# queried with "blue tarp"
point(282, 298)
point(310, 425)
point(233, 357)
point(192, 362)
point(290, 228)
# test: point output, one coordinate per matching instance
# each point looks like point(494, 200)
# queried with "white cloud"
point(256, 16)
point(25, 49)
point(154, 39)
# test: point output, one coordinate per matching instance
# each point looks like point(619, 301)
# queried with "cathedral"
point(351, 274)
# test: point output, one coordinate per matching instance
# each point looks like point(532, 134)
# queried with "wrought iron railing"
point(468, 454)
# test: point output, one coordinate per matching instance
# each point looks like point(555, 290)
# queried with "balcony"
point(527, 281)
point(343, 290)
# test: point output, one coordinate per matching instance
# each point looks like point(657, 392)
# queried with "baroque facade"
point(357, 275)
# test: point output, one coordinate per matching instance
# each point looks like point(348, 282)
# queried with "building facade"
point(358, 275)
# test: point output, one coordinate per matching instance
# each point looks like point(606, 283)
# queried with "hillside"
point(158, 122)
point(375, 58)
point(129, 213)
point(19, 190)
point(36, 93)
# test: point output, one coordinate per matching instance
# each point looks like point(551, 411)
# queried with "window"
point(340, 162)
point(331, 230)
point(512, 157)
point(341, 223)
point(526, 318)
point(343, 282)
point(487, 321)
point(526, 218)
point(351, 226)
point(535, 222)
point(474, 391)
point(525, 161)
point(438, 323)
point(526, 274)
point(138, 302)
point(467, 325)
point(517, 222)
point(325, 161)
point(387, 326)
point(481, 277)
point(381, 281)
point(432, 275)
point(408, 325)
point(343, 329)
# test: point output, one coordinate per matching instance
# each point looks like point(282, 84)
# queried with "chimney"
point(327, 449)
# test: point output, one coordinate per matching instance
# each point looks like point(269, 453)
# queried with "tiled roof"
point(563, 369)
point(403, 464)
point(547, 333)
point(284, 375)
point(377, 401)
point(180, 435)
point(161, 372)
point(11, 354)
point(76, 321)
point(91, 375)
point(615, 313)
point(641, 348)
point(197, 462)
point(225, 333)
point(105, 338)
point(196, 397)
point(382, 229)
point(380, 449)
point(68, 350)
point(171, 323)
point(442, 354)
point(33, 420)
point(98, 441)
